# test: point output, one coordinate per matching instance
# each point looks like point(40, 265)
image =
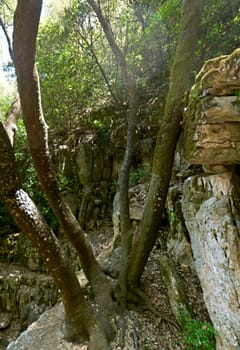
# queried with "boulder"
point(44, 334)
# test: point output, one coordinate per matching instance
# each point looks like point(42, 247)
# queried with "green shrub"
point(198, 335)
point(140, 175)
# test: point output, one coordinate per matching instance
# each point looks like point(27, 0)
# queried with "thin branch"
point(133, 120)
point(128, 75)
point(102, 71)
point(10, 49)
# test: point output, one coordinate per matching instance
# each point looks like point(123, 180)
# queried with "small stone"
point(4, 324)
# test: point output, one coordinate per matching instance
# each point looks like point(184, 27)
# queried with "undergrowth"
point(198, 335)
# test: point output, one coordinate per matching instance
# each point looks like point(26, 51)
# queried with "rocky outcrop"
point(212, 117)
point(211, 205)
point(44, 334)
point(24, 295)
point(176, 290)
point(178, 242)
point(18, 250)
point(137, 196)
point(19, 287)
point(211, 211)
point(94, 165)
point(26, 289)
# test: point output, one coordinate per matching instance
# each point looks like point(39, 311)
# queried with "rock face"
point(175, 286)
point(211, 205)
point(178, 244)
point(212, 118)
point(26, 289)
point(18, 287)
point(44, 334)
point(93, 166)
point(211, 211)
point(137, 196)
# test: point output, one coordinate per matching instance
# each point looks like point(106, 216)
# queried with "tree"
point(133, 120)
point(134, 258)
point(167, 139)
point(71, 41)
point(93, 74)
point(222, 36)
point(81, 320)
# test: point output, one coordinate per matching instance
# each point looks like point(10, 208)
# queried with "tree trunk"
point(26, 22)
point(167, 139)
point(30, 221)
point(133, 120)
point(24, 44)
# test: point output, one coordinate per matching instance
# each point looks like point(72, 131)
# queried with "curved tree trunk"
point(30, 221)
point(26, 22)
point(24, 45)
point(81, 320)
point(167, 139)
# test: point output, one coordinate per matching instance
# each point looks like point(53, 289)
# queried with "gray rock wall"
point(211, 205)
point(211, 212)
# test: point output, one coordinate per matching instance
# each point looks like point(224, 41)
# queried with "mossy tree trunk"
point(167, 139)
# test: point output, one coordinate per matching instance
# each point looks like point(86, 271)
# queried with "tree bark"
point(81, 320)
point(167, 139)
point(30, 221)
point(133, 120)
point(26, 22)
point(24, 45)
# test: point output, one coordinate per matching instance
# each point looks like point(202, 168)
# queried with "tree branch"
point(27, 17)
point(90, 47)
point(133, 120)
point(7, 38)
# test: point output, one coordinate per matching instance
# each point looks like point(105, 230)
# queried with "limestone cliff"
point(211, 200)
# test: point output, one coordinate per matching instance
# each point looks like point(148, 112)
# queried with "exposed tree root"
point(138, 297)
point(98, 339)
point(123, 326)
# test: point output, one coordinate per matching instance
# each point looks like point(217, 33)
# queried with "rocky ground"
point(143, 329)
